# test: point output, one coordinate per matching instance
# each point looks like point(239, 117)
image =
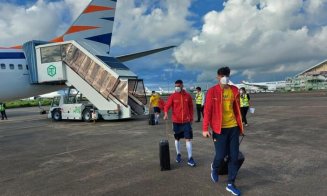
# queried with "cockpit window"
point(11, 66)
point(3, 66)
point(20, 66)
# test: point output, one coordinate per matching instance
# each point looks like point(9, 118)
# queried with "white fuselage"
point(270, 86)
point(14, 78)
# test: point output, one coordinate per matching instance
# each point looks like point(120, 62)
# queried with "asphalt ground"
point(285, 154)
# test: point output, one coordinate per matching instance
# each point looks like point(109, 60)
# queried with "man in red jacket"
point(222, 113)
point(182, 106)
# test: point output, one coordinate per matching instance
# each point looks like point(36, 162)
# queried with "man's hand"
point(165, 116)
point(206, 134)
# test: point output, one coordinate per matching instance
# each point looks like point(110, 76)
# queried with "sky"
point(260, 40)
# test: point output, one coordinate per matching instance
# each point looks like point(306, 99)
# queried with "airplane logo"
point(52, 71)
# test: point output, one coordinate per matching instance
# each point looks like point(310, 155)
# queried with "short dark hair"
point(198, 88)
point(179, 82)
point(153, 91)
point(224, 71)
point(242, 88)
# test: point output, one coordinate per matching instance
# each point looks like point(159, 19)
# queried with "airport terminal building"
point(314, 78)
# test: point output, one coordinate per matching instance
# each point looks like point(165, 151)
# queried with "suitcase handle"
point(242, 139)
point(166, 129)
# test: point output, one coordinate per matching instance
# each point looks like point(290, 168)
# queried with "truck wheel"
point(56, 115)
point(87, 116)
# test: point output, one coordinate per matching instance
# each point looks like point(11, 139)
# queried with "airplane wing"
point(130, 57)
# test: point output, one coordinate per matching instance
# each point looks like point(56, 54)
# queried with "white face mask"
point(241, 91)
point(224, 80)
point(178, 89)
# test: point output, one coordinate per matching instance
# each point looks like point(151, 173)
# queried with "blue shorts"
point(156, 110)
point(182, 130)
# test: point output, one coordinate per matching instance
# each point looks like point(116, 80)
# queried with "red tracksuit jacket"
point(213, 109)
point(182, 105)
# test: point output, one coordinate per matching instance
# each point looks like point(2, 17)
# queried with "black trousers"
point(199, 110)
point(244, 111)
point(226, 143)
point(3, 115)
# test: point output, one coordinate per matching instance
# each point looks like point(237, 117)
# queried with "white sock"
point(189, 148)
point(178, 147)
point(157, 118)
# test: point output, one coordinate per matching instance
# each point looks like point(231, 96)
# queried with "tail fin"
point(93, 28)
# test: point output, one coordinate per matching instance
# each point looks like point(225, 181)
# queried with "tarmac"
point(284, 147)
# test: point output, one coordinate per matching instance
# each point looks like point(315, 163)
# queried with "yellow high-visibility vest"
point(2, 108)
point(244, 99)
point(199, 98)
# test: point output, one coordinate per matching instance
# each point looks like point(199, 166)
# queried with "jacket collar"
point(234, 88)
point(182, 92)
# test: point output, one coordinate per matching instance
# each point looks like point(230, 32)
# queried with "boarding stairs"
point(109, 85)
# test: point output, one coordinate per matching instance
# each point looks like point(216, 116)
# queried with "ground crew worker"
point(3, 111)
point(222, 113)
point(154, 103)
point(199, 101)
point(245, 104)
point(181, 103)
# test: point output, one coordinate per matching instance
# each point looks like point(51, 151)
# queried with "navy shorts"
point(156, 110)
point(182, 130)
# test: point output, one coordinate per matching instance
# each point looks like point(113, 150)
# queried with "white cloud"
point(76, 7)
point(42, 20)
point(149, 24)
point(248, 74)
point(259, 37)
point(19, 24)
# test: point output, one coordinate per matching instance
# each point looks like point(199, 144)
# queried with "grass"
point(27, 103)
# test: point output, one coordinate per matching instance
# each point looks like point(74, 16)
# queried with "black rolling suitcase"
point(223, 169)
point(151, 119)
point(164, 155)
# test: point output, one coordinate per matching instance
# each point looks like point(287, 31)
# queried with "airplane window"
point(20, 66)
point(51, 54)
point(11, 66)
point(3, 66)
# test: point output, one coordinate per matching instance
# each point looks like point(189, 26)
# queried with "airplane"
point(46, 96)
point(267, 86)
point(51, 95)
point(249, 89)
point(92, 29)
point(165, 92)
point(160, 91)
point(58, 93)
point(148, 92)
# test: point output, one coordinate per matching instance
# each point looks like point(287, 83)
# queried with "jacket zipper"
point(182, 108)
point(221, 107)
point(239, 112)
